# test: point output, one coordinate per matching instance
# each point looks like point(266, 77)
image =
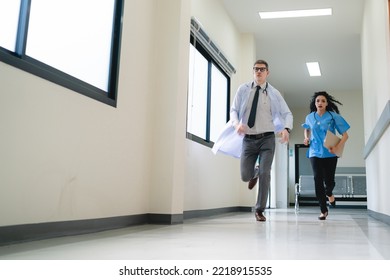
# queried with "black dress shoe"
point(323, 216)
point(260, 217)
point(252, 183)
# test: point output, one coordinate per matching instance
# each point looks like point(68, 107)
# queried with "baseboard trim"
point(217, 211)
point(165, 219)
point(379, 216)
point(33, 232)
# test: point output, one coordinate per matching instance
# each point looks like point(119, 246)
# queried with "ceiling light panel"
point(296, 13)
point(313, 68)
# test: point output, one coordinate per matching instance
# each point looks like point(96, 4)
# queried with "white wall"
point(64, 156)
point(351, 111)
point(376, 93)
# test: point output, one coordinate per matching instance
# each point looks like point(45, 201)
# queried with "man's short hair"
point(260, 61)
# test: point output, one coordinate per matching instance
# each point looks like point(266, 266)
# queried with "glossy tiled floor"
point(347, 234)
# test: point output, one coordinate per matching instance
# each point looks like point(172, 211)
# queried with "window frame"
point(211, 61)
point(20, 60)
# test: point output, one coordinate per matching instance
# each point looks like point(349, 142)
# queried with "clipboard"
point(332, 140)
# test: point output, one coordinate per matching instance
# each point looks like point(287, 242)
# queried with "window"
point(208, 92)
point(208, 98)
point(77, 47)
point(9, 17)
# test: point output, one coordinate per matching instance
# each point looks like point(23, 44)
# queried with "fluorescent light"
point(296, 13)
point(313, 68)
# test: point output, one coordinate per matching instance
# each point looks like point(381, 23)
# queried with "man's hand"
point(241, 129)
point(284, 136)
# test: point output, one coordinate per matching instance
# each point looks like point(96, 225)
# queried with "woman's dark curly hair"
point(331, 102)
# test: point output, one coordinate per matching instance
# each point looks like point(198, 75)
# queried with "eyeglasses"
point(261, 69)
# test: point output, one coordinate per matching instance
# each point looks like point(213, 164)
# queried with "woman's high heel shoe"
point(323, 216)
point(333, 202)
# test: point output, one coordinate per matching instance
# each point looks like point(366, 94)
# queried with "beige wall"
point(67, 157)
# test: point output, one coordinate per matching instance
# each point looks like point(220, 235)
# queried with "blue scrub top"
point(318, 127)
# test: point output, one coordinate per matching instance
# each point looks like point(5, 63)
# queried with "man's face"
point(260, 73)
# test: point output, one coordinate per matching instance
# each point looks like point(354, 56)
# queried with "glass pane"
point(218, 102)
point(9, 18)
point(197, 94)
point(73, 36)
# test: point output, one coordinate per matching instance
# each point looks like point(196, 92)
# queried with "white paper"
point(229, 142)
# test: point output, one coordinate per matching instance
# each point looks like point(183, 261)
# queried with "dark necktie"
point(252, 115)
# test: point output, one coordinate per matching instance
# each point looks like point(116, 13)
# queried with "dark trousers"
point(324, 170)
point(262, 151)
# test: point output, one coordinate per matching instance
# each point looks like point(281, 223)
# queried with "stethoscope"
point(319, 122)
point(265, 89)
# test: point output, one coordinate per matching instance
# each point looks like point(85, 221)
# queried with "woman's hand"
point(336, 149)
point(306, 135)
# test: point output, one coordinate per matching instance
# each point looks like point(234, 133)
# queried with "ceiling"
point(287, 44)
